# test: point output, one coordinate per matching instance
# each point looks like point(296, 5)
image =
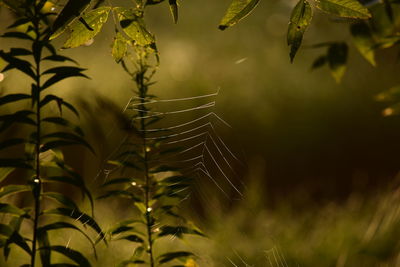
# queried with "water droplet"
point(133, 183)
point(149, 209)
point(1, 77)
point(36, 181)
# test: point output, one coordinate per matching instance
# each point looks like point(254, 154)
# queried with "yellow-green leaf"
point(119, 47)
point(363, 40)
point(299, 21)
point(344, 8)
point(238, 10)
point(134, 26)
point(72, 10)
point(81, 34)
point(173, 6)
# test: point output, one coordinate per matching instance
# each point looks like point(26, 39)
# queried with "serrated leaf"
point(134, 26)
point(167, 257)
point(71, 11)
point(364, 41)
point(344, 8)
point(119, 48)
point(337, 59)
point(238, 10)
point(74, 255)
point(80, 33)
point(299, 22)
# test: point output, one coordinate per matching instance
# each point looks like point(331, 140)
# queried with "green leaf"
point(319, 62)
point(20, 52)
point(67, 139)
point(71, 11)
point(344, 8)
point(337, 59)
point(364, 41)
point(13, 189)
point(16, 63)
point(119, 193)
point(173, 6)
point(238, 10)
point(62, 73)
point(10, 209)
point(118, 181)
point(134, 26)
point(13, 98)
point(299, 21)
point(11, 142)
point(79, 216)
point(119, 48)
point(71, 254)
point(18, 35)
point(64, 122)
point(81, 34)
point(60, 102)
point(62, 199)
point(178, 231)
point(4, 172)
point(167, 257)
point(44, 242)
point(13, 237)
point(132, 238)
point(14, 163)
point(59, 58)
point(64, 225)
point(17, 117)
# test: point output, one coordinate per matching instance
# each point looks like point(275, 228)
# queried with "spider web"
point(190, 126)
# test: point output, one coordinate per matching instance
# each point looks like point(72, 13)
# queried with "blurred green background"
point(321, 157)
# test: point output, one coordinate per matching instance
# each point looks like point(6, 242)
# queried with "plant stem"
point(37, 183)
point(140, 81)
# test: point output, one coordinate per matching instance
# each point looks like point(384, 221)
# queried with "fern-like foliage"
point(44, 206)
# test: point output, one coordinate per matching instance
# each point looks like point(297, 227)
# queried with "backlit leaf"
point(134, 26)
point(363, 40)
point(120, 46)
point(238, 10)
point(81, 34)
point(344, 8)
point(299, 21)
